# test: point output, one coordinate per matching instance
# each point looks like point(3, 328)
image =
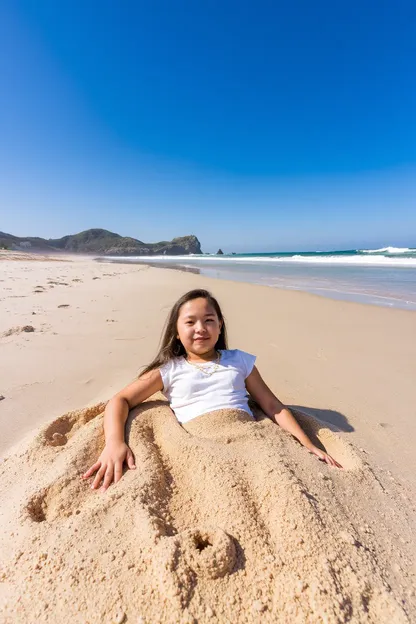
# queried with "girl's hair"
point(171, 346)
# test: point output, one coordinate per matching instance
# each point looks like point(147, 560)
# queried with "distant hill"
point(102, 242)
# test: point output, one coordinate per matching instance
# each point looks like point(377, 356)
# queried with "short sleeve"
point(247, 362)
point(166, 374)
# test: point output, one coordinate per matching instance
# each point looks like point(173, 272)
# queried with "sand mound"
point(228, 520)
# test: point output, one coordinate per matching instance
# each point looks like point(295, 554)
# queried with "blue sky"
point(256, 126)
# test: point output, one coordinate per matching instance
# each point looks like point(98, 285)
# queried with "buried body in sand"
point(221, 517)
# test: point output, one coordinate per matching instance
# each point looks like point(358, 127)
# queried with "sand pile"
point(228, 520)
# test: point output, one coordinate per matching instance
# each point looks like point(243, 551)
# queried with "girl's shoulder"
point(240, 359)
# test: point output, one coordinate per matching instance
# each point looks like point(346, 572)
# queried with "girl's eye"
point(188, 323)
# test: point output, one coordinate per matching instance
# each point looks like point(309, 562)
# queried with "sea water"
point(385, 277)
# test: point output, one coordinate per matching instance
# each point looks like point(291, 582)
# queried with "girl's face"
point(198, 327)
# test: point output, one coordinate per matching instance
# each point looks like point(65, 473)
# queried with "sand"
point(226, 520)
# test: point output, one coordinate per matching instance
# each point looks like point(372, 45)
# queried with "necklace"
point(204, 367)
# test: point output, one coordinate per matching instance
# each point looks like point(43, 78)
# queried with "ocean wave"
point(354, 260)
point(389, 250)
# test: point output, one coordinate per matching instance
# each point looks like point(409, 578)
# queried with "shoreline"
point(332, 290)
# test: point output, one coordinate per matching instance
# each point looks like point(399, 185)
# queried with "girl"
point(198, 374)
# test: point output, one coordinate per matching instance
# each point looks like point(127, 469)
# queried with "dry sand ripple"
point(228, 520)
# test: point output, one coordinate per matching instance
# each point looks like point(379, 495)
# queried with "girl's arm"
point(282, 416)
point(117, 409)
point(109, 465)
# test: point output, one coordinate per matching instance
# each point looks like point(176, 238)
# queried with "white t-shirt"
point(191, 392)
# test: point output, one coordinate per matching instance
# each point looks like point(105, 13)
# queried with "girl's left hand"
point(324, 456)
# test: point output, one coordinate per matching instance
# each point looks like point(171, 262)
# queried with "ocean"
point(384, 277)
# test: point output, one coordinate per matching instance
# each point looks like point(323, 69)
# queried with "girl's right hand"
point(109, 466)
point(324, 456)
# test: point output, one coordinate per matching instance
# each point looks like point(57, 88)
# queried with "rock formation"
point(103, 242)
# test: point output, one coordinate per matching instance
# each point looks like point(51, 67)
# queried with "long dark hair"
point(171, 346)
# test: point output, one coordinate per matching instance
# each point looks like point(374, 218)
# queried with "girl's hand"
point(324, 456)
point(109, 466)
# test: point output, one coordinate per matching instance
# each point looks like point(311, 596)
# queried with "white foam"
point(326, 260)
point(390, 250)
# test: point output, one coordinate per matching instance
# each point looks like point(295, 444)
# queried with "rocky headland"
point(103, 242)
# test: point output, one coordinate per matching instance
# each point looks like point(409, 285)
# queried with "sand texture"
point(228, 520)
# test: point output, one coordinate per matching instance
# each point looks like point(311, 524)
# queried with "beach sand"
point(226, 520)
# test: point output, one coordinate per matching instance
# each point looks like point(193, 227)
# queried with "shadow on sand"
point(328, 417)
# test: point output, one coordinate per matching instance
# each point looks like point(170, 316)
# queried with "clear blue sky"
point(256, 126)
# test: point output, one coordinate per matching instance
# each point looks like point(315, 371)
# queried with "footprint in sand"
point(64, 427)
point(60, 500)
